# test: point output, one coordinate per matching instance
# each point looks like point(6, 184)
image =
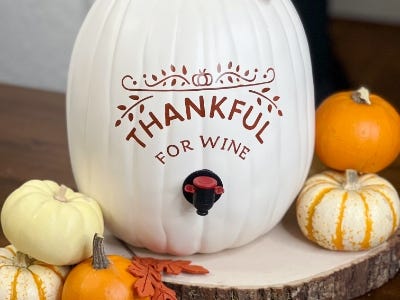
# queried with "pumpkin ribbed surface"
point(50, 222)
point(342, 216)
point(355, 135)
point(101, 277)
point(22, 277)
point(160, 89)
point(115, 282)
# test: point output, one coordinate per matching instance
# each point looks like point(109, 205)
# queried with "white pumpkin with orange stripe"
point(342, 211)
point(22, 277)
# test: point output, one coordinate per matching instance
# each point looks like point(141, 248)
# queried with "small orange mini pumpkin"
point(100, 277)
point(357, 130)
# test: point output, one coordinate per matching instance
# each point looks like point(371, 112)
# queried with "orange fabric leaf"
point(164, 293)
point(148, 272)
point(176, 267)
point(148, 278)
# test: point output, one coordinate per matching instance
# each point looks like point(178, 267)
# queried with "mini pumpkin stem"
point(351, 182)
point(60, 194)
point(22, 260)
point(99, 260)
point(361, 96)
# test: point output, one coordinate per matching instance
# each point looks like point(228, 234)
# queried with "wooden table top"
point(33, 145)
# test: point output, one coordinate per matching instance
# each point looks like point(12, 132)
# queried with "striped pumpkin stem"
point(351, 182)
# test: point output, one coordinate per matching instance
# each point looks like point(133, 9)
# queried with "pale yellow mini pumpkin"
point(341, 211)
point(22, 277)
point(51, 223)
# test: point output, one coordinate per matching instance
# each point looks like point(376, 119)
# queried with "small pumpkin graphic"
point(345, 211)
point(203, 78)
point(357, 130)
point(23, 277)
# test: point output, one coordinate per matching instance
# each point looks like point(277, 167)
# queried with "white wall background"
point(36, 37)
point(36, 40)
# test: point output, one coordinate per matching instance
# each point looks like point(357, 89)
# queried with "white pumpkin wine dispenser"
point(191, 119)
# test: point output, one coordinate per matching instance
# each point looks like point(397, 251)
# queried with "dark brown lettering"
point(258, 134)
point(154, 121)
point(246, 116)
point(200, 110)
point(243, 153)
point(171, 114)
point(216, 107)
point(233, 145)
point(209, 141)
point(132, 135)
point(186, 145)
point(235, 108)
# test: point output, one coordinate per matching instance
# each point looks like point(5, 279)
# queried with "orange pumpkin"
point(100, 277)
point(357, 130)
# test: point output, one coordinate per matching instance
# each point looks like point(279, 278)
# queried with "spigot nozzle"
point(202, 189)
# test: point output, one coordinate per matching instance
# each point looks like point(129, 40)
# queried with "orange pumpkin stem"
point(99, 259)
point(361, 96)
point(60, 195)
point(351, 180)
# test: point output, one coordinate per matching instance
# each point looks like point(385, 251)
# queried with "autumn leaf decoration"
point(149, 273)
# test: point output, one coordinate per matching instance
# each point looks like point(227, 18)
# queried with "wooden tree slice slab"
point(282, 265)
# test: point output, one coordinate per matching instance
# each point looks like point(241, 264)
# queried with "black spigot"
point(202, 188)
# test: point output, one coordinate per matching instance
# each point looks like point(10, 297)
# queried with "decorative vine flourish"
point(127, 110)
point(178, 80)
point(271, 102)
